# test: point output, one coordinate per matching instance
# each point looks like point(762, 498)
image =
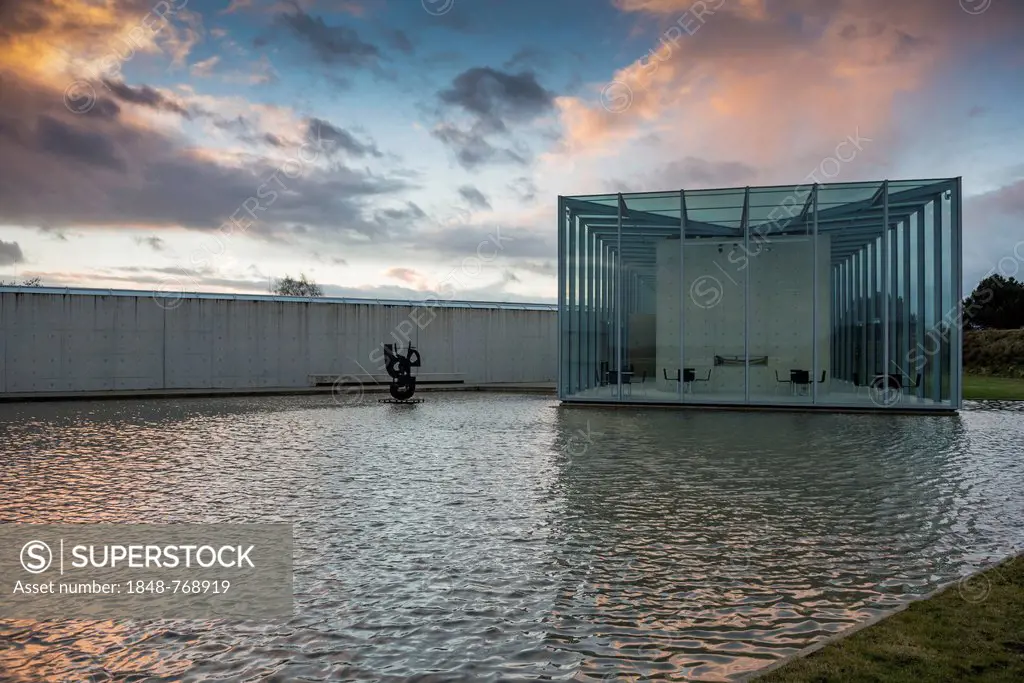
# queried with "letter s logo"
point(36, 557)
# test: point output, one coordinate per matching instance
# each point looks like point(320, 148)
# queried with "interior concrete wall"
point(712, 293)
point(86, 342)
point(643, 343)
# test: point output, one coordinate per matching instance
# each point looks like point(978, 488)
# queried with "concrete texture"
point(346, 395)
point(54, 342)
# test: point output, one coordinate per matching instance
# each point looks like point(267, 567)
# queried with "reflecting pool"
point(483, 536)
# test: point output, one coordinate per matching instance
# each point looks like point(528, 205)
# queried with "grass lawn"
point(972, 631)
point(978, 387)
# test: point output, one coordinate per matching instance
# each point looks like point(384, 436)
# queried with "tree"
point(996, 303)
point(289, 286)
point(30, 282)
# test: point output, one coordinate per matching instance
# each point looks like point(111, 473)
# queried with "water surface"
point(485, 537)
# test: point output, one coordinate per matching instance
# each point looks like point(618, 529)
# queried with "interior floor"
point(831, 392)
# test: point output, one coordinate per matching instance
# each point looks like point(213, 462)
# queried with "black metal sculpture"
point(399, 367)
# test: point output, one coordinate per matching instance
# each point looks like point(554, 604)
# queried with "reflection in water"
point(472, 537)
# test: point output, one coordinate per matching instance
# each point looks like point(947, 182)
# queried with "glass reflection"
point(835, 295)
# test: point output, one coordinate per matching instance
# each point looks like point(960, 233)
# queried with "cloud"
point(167, 279)
point(353, 7)
point(50, 231)
point(490, 291)
point(495, 242)
point(472, 148)
point(545, 268)
point(278, 127)
point(63, 170)
point(274, 141)
point(189, 33)
point(992, 220)
point(1008, 199)
point(524, 188)
point(691, 173)
point(528, 58)
point(404, 274)
point(10, 253)
point(252, 282)
point(742, 82)
point(495, 97)
point(400, 41)
point(155, 243)
point(260, 72)
point(123, 165)
point(60, 139)
point(331, 44)
point(237, 5)
point(475, 197)
point(328, 136)
point(484, 103)
point(57, 40)
point(204, 68)
point(407, 214)
point(145, 96)
point(239, 125)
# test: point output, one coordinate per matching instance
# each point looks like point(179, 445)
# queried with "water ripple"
point(486, 537)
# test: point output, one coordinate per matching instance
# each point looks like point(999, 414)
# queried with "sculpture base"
point(395, 400)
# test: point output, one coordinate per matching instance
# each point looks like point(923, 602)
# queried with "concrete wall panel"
point(5, 329)
point(94, 342)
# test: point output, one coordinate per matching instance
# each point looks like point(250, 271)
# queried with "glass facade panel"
point(929, 343)
point(650, 240)
point(603, 200)
point(714, 267)
point(840, 295)
point(589, 305)
point(849, 220)
point(949, 310)
point(782, 295)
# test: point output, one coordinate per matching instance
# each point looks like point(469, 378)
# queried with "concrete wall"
point(91, 342)
point(780, 315)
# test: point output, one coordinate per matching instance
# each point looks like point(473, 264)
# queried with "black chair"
point(782, 381)
point(677, 379)
point(690, 376)
point(800, 378)
point(876, 381)
point(807, 375)
point(687, 377)
point(632, 376)
point(612, 378)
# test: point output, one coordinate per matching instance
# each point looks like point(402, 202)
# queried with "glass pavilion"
point(842, 295)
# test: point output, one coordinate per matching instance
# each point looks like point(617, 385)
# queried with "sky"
point(394, 149)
